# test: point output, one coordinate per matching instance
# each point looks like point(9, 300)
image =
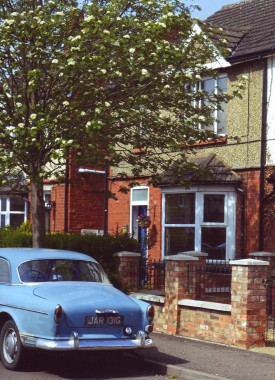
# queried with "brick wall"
point(214, 326)
point(242, 324)
point(85, 202)
point(251, 187)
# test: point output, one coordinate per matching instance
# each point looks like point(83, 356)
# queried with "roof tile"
point(248, 26)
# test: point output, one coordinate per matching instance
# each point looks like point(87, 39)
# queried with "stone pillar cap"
point(127, 254)
point(181, 257)
point(249, 262)
point(262, 254)
point(194, 253)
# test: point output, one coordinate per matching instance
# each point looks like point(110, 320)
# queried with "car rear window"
point(61, 270)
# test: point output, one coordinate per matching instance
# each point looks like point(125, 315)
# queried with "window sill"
point(219, 140)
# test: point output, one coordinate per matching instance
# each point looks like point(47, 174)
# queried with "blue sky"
point(208, 6)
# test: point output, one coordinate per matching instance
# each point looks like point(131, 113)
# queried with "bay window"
point(201, 219)
point(13, 211)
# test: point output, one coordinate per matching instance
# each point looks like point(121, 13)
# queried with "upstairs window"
point(214, 87)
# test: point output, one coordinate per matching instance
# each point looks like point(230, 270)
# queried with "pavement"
point(188, 359)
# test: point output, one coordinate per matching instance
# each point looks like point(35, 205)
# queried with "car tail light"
point(58, 313)
point(150, 313)
point(149, 328)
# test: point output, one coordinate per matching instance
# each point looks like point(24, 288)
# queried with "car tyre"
point(12, 351)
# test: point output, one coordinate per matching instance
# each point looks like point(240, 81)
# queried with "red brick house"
point(227, 216)
point(232, 214)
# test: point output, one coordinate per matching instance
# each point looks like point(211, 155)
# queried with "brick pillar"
point(248, 302)
point(270, 258)
point(128, 269)
point(176, 288)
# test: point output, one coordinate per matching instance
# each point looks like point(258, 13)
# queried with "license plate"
point(103, 320)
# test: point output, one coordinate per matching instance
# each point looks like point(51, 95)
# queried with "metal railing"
point(152, 274)
point(210, 282)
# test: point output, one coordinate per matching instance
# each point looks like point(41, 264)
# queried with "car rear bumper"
point(75, 343)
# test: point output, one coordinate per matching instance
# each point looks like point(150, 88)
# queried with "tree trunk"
point(38, 215)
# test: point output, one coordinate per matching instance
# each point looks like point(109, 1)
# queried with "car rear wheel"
point(12, 351)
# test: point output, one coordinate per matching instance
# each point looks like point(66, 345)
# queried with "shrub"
point(10, 237)
point(101, 248)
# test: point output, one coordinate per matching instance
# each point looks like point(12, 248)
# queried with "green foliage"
point(26, 227)
point(10, 237)
point(101, 248)
point(101, 80)
point(93, 78)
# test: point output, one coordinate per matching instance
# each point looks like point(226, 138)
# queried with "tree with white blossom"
point(98, 78)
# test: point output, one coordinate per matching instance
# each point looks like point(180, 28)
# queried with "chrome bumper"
point(74, 343)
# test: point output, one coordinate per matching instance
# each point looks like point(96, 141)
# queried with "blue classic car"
point(63, 300)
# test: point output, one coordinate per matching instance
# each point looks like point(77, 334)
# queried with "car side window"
point(4, 271)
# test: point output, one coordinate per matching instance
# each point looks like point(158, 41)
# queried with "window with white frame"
point(214, 87)
point(13, 211)
point(199, 219)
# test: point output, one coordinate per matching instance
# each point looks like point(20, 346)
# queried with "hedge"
point(101, 248)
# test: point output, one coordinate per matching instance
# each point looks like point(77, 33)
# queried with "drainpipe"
point(242, 225)
point(263, 156)
point(66, 197)
point(106, 200)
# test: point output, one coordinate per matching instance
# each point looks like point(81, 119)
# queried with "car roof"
point(18, 255)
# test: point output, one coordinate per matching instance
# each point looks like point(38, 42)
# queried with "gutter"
point(263, 156)
point(251, 56)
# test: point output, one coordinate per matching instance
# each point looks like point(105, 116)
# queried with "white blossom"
point(144, 72)
point(132, 50)
point(78, 37)
point(33, 116)
point(71, 62)
point(88, 18)
point(10, 22)
point(65, 103)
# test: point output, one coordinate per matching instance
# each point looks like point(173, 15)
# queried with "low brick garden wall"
point(241, 323)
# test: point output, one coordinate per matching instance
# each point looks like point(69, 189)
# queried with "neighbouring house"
point(232, 214)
